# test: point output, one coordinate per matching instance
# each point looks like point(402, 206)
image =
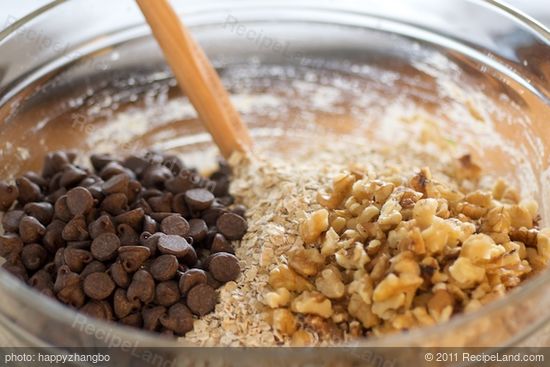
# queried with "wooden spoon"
point(197, 78)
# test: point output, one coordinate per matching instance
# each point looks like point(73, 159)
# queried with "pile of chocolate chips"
point(144, 241)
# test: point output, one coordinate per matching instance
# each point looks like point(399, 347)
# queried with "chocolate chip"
point(36, 178)
point(224, 266)
point(112, 169)
point(159, 217)
point(232, 226)
point(76, 229)
point(10, 245)
point(96, 191)
point(42, 281)
point(134, 189)
point(133, 218)
point(226, 200)
point(42, 211)
point(199, 199)
point(149, 224)
point(151, 316)
point(136, 163)
point(201, 299)
point(30, 229)
point(76, 259)
point(17, 269)
point(61, 209)
point(79, 201)
point(28, 191)
point(197, 229)
point(133, 319)
point(98, 286)
point(142, 287)
point(101, 226)
point(53, 163)
point(128, 236)
point(54, 183)
point(71, 155)
point(175, 225)
point(93, 226)
point(211, 215)
point(8, 195)
point(221, 184)
point(240, 210)
point(173, 163)
point(212, 232)
point(143, 204)
point(83, 245)
point(123, 306)
point(68, 287)
point(179, 319)
point(34, 256)
point(115, 204)
point(99, 161)
point(105, 246)
point(119, 275)
point(164, 267)
point(53, 238)
point(167, 293)
point(191, 278)
point(133, 257)
point(11, 219)
point(50, 268)
point(72, 175)
point(154, 176)
point(220, 244)
point(177, 246)
point(150, 193)
point(59, 258)
point(93, 267)
point(116, 184)
point(150, 241)
point(89, 181)
point(98, 309)
point(184, 181)
point(180, 206)
point(161, 203)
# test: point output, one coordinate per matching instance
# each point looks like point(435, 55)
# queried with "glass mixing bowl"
point(88, 76)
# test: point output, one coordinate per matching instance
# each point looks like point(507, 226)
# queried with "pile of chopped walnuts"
point(383, 254)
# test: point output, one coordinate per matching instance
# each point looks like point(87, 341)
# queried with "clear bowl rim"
point(65, 314)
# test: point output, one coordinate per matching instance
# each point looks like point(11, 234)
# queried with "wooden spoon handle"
point(197, 78)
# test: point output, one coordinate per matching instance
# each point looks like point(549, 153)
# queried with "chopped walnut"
point(390, 214)
point(302, 338)
point(284, 321)
point(329, 282)
point(389, 254)
point(424, 212)
point(466, 273)
point(353, 258)
point(312, 302)
point(340, 189)
point(314, 225)
point(284, 277)
point(279, 298)
point(543, 243)
point(305, 261)
point(362, 311)
point(481, 248)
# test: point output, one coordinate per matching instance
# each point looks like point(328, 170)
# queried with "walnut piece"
point(312, 302)
point(315, 224)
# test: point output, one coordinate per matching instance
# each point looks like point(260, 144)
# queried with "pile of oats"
point(281, 197)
